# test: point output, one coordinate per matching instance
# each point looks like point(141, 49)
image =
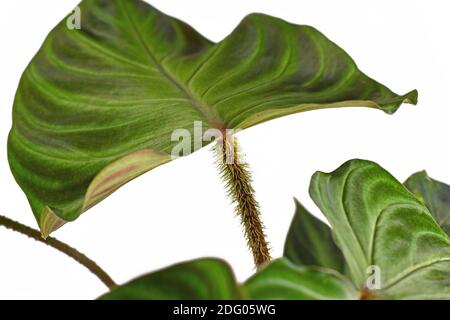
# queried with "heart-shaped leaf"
point(202, 279)
point(434, 194)
point(310, 242)
point(382, 228)
point(96, 106)
point(282, 280)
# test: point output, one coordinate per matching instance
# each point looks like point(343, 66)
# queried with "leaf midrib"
point(346, 215)
point(212, 120)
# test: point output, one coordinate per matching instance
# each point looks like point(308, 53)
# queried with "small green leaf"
point(434, 194)
point(378, 223)
point(310, 242)
point(96, 107)
point(282, 280)
point(202, 279)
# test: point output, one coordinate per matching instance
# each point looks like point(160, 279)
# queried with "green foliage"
point(434, 194)
point(210, 279)
point(376, 222)
point(213, 279)
point(96, 107)
point(310, 242)
point(282, 280)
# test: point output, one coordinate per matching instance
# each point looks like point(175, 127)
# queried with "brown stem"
point(61, 246)
point(366, 294)
point(238, 181)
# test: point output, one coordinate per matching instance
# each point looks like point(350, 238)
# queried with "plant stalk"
point(60, 246)
point(237, 178)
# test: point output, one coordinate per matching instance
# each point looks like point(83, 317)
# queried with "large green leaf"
point(282, 280)
point(434, 194)
point(202, 279)
point(310, 242)
point(378, 222)
point(96, 107)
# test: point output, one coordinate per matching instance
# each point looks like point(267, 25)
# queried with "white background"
point(179, 211)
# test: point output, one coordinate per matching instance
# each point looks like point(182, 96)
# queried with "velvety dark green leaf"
point(96, 107)
point(378, 222)
point(202, 279)
point(310, 243)
point(282, 280)
point(434, 194)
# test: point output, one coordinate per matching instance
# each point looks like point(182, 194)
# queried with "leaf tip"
point(392, 106)
point(412, 97)
point(49, 222)
point(417, 176)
